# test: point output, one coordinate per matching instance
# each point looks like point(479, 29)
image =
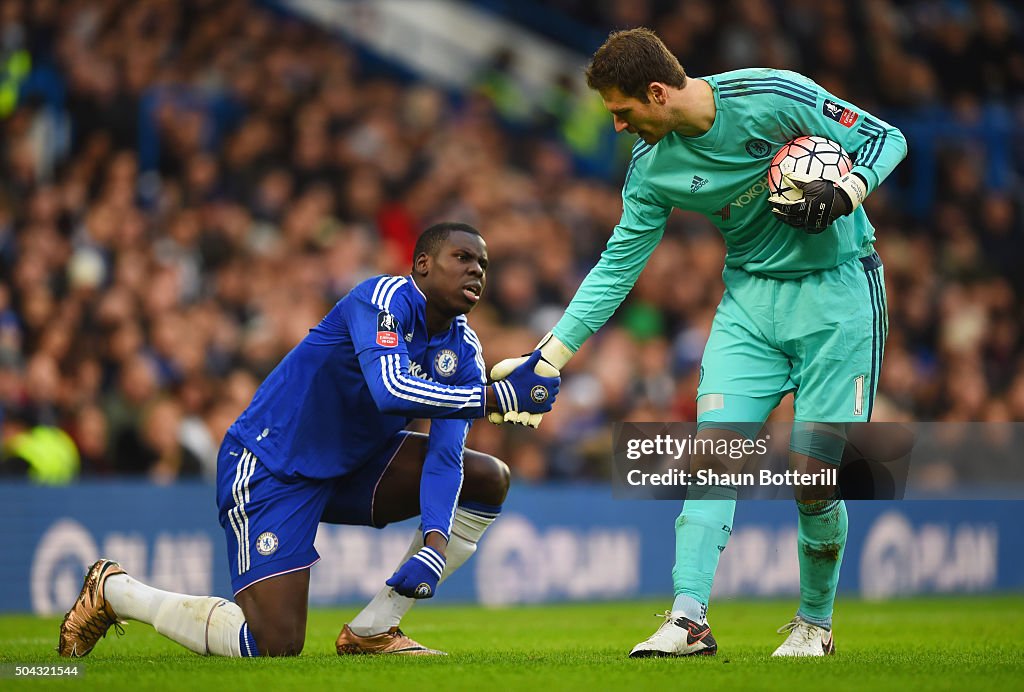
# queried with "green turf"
point(939, 643)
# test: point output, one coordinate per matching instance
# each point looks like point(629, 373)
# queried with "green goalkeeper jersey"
point(723, 175)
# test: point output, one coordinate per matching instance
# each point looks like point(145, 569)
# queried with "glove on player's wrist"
point(524, 391)
point(418, 576)
point(554, 356)
point(822, 202)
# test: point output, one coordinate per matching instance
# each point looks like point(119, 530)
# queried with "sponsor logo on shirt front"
point(697, 183)
point(387, 329)
point(416, 370)
point(752, 193)
point(842, 115)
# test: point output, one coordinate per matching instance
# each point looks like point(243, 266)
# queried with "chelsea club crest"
point(267, 543)
point(758, 148)
point(445, 362)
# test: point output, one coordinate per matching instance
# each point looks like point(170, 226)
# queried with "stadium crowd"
point(188, 186)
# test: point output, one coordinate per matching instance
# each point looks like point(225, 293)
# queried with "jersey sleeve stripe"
point(376, 289)
point(410, 389)
point(381, 290)
point(876, 133)
point(478, 357)
point(769, 90)
point(417, 383)
point(748, 83)
point(466, 329)
point(470, 402)
point(421, 400)
point(400, 388)
point(637, 153)
point(632, 163)
point(870, 130)
point(470, 337)
point(878, 142)
point(391, 292)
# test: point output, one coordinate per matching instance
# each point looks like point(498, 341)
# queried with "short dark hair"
point(630, 60)
point(431, 240)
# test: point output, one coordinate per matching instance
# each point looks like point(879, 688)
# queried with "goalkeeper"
point(804, 309)
point(324, 439)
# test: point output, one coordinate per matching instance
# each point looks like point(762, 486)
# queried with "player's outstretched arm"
point(553, 353)
point(396, 391)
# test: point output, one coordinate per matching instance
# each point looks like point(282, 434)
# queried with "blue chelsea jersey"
point(358, 378)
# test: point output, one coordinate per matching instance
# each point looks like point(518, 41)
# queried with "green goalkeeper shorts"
point(820, 337)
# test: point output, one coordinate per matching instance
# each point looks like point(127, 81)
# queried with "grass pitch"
point(936, 643)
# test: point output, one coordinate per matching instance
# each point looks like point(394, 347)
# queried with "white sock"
point(204, 624)
point(387, 607)
point(689, 607)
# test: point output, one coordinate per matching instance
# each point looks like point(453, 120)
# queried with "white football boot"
point(677, 637)
point(805, 639)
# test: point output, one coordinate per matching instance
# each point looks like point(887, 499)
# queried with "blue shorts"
point(271, 523)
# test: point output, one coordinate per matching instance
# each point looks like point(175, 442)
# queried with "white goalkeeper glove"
point(554, 356)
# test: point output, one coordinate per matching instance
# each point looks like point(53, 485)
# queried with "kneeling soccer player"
point(324, 439)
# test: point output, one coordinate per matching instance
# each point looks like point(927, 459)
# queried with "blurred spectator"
point(44, 454)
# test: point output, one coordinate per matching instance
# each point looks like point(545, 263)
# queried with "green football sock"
point(821, 540)
point(702, 530)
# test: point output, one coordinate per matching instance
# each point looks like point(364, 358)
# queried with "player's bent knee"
point(288, 643)
point(504, 476)
point(275, 611)
point(487, 478)
point(276, 635)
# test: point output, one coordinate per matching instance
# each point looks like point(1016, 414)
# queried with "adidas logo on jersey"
point(697, 183)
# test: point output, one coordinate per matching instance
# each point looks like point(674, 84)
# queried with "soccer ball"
point(816, 156)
